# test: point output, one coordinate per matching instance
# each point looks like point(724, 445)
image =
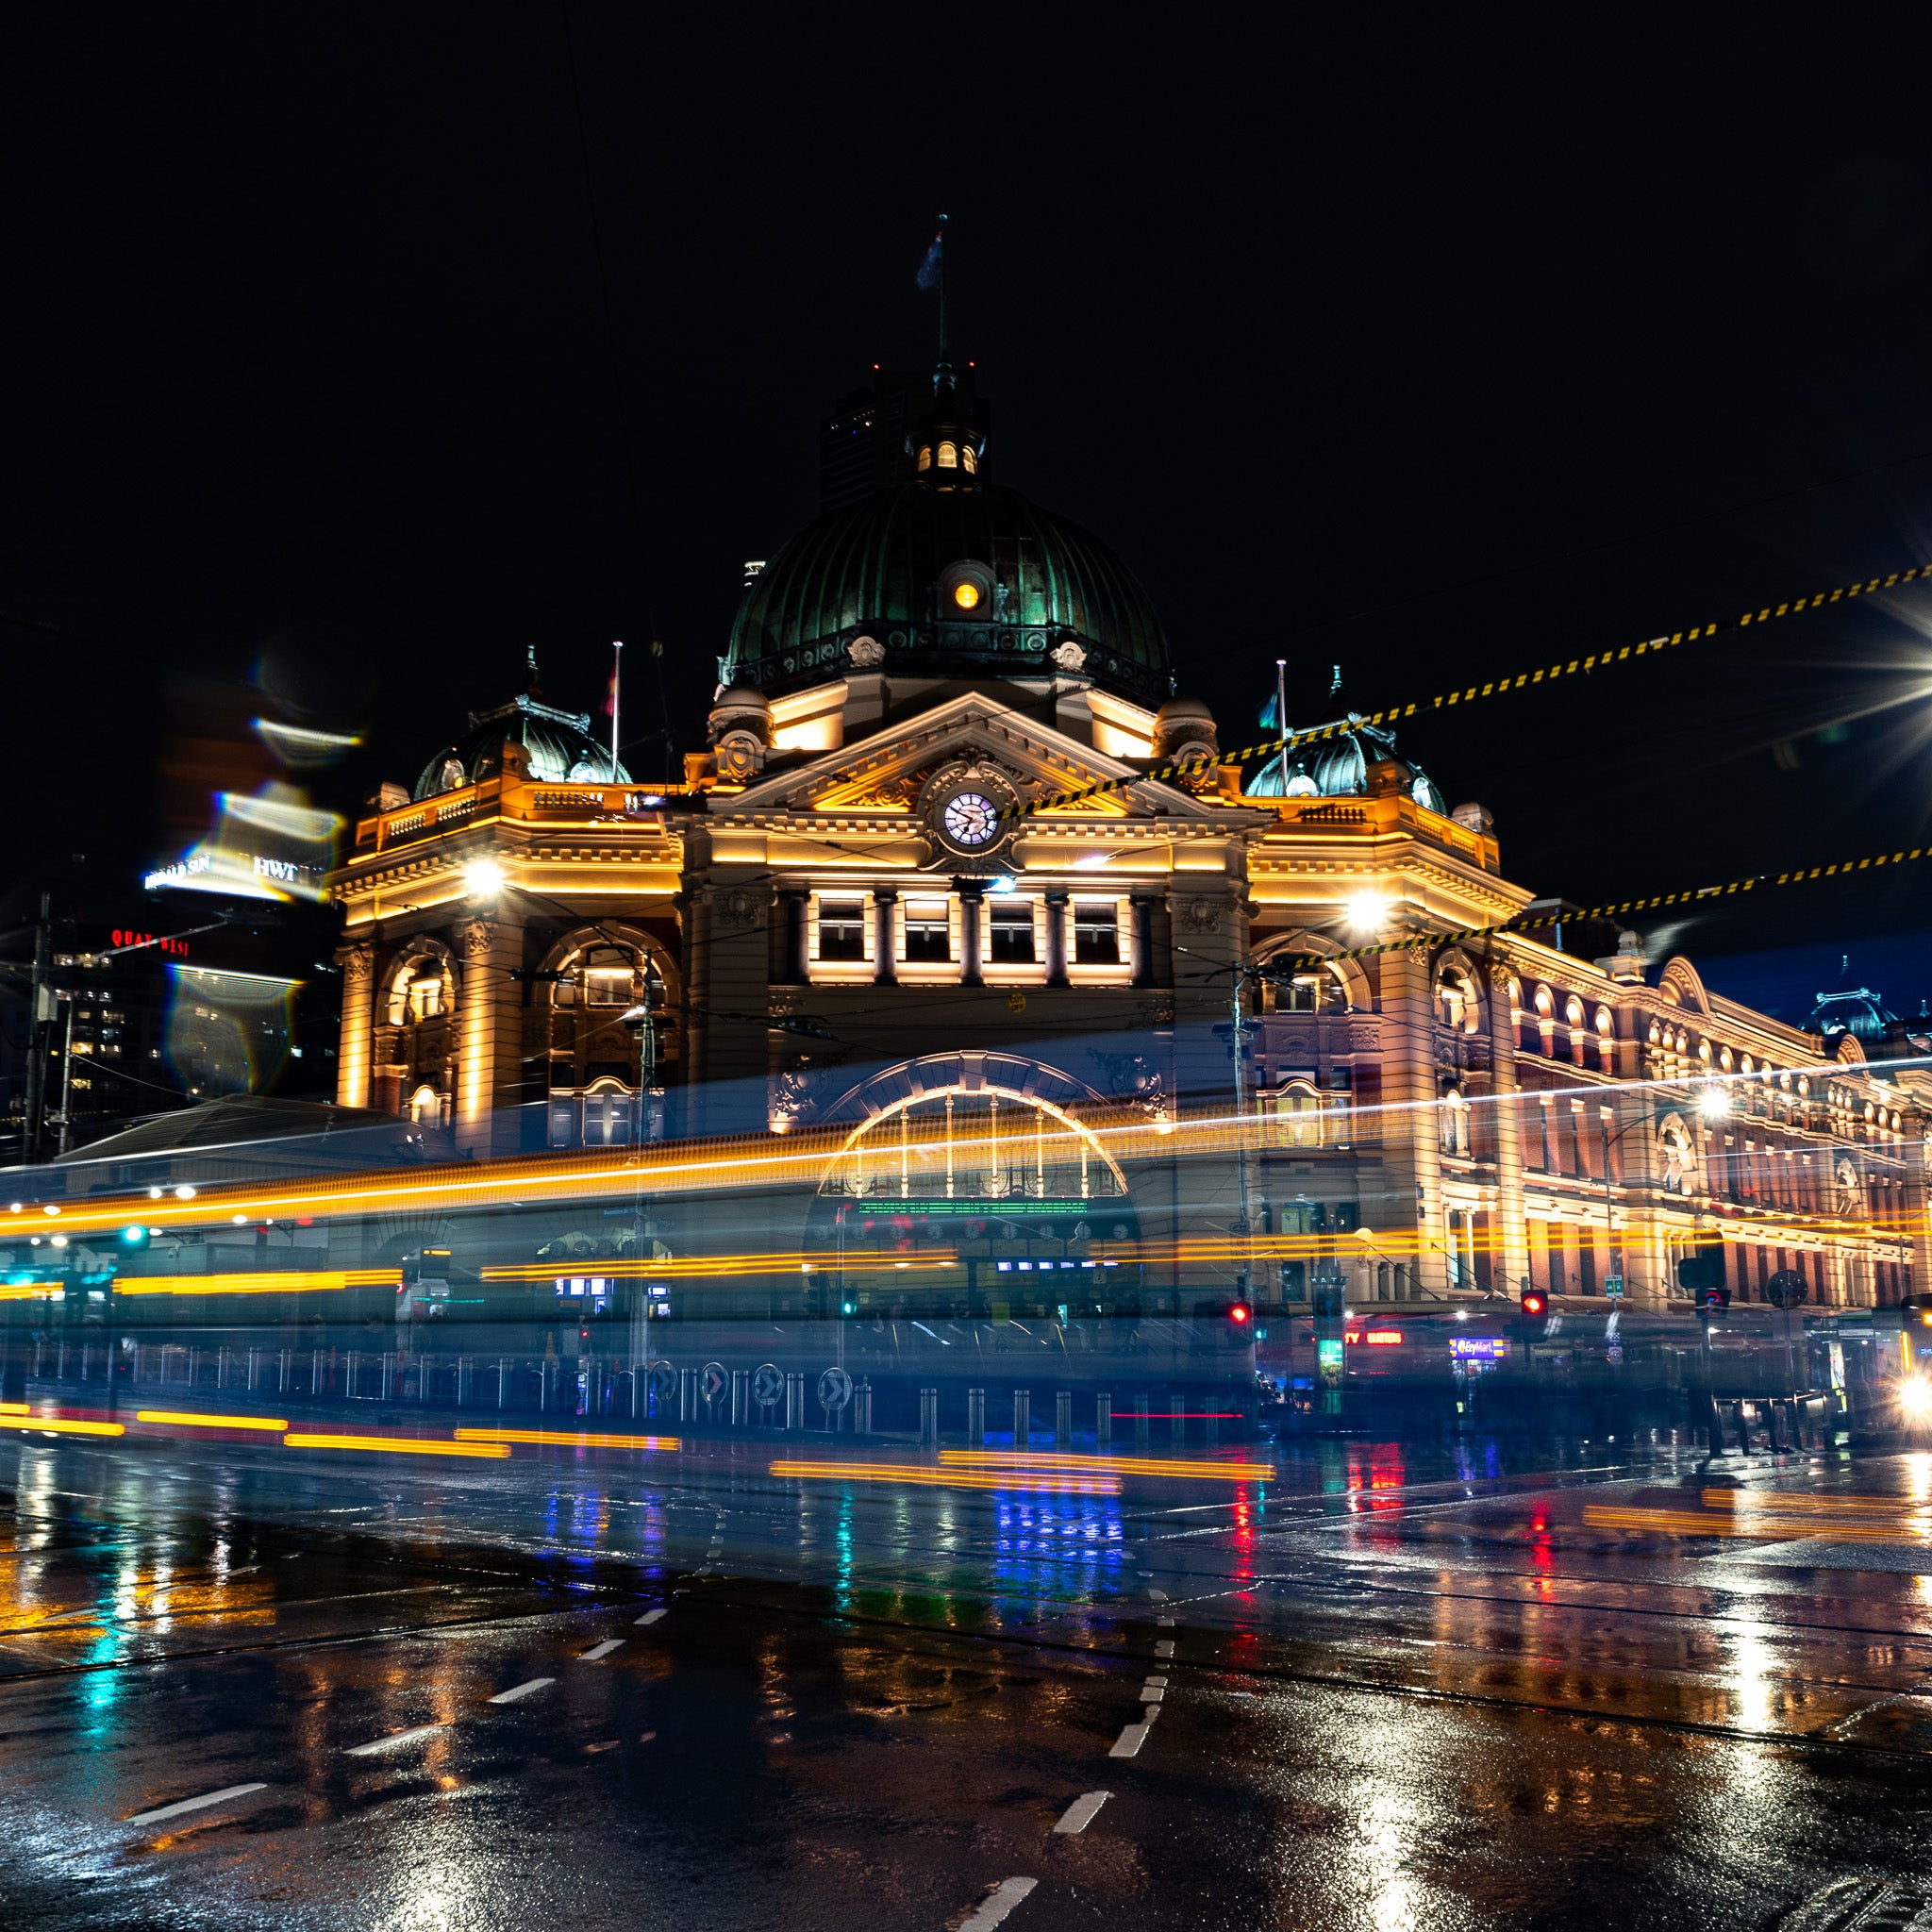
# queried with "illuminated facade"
point(831, 924)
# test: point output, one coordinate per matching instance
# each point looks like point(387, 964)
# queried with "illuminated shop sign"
point(126, 937)
point(1375, 1338)
point(193, 869)
point(1480, 1348)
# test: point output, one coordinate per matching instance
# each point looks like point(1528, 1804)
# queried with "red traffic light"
point(1239, 1312)
point(1534, 1302)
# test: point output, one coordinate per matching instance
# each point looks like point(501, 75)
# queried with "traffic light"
point(134, 1236)
point(1534, 1303)
point(1240, 1314)
point(1704, 1269)
point(1915, 1310)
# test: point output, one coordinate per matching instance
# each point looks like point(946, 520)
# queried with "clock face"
point(969, 819)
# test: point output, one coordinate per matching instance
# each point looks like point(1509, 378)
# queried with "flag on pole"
point(934, 264)
point(1271, 713)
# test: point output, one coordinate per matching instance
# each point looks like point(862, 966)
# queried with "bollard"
point(976, 1418)
point(1176, 1419)
point(1103, 1418)
point(315, 1372)
point(1022, 1417)
point(928, 1418)
point(740, 1397)
point(861, 1411)
point(1139, 1418)
point(281, 1371)
point(1063, 1416)
point(794, 1402)
point(687, 1396)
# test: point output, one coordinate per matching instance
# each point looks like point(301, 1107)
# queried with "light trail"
point(405, 1445)
point(563, 1440)
point(211, 1422)
point(62, 1426)
point(1043, 1482)
point(1109, 1465)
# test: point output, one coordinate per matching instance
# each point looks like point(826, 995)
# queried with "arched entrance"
point(971, 1185)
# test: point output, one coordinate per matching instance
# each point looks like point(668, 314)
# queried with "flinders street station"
point(1147, 1022)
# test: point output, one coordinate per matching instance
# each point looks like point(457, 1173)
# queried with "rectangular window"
point(928, 932)
point(1012, 932)
point(841, 928)
point(1097, 935)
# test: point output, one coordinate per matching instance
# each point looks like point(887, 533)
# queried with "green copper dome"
point(950, 578)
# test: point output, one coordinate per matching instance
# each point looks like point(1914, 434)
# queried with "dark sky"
point(1433, 344)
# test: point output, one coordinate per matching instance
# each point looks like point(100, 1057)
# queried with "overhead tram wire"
point(1475, 693)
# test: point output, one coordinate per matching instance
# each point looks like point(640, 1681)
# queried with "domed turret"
point(1338, 767)
point(551, 746)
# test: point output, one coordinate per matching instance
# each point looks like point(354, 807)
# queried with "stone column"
point(489, 1059)
point(1057, 938)
point(357, 962)
point(885, 945)
point(797, 953)
point(1411, 1144)
point(1140, 959)
point(972, 900)
point(739, 962)
point(1510, 1257)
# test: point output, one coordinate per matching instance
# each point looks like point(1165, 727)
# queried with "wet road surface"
point(628, 1689)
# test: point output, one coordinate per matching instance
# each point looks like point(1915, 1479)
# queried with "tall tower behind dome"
point(865, 445)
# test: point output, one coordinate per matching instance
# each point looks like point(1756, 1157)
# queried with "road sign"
point(768, 1384)
point(1613, 1285)
point(1785, 1288)
point(714, 1382)
point(835, 1388)
point(663, 1379)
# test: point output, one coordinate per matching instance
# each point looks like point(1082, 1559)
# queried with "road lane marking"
point(393, 1740)
point(1164, 1648)
point(200, 1804)
point(1159, 1597)
point(1153, 1690)
point(1163, 1623)
point(1082, 1812)
point(1129, 1742)
point(652, 1616)
point(998, 1903)
point(597, 1650)
point(517, 1690)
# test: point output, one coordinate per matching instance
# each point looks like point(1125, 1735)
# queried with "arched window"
point(428, 1108)
point(1454, 1123)
point(949, 456)
point(1606, 1041)
point(969, 458)
point(925, 456)
point(600, 977)
point(418, 992)
point(1456, 1004)
point(1298, 1115)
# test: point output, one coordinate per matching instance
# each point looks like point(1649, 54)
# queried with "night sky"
point(1431, 345)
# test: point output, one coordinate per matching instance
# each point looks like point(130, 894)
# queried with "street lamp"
point(483, 878)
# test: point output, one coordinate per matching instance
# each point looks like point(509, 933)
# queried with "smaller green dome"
point(558, 743)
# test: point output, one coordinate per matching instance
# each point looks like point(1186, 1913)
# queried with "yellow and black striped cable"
point(1474, 693)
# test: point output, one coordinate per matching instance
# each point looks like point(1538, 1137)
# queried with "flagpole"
point(1281, 715)
point(616, 676)
point(942, 287)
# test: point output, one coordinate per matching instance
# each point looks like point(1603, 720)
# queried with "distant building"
point(865, 445)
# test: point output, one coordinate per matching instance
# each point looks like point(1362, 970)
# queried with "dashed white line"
point(1153, 1690)
point(1082, 1812)
point(1163, 1623)
point(998, 1903)
point(200, 1804)
point(652, 1616)
point(518, 1690)
point(599, 1650)
point(1129, 1742)
point(393, 1740)
point(1164, 1648)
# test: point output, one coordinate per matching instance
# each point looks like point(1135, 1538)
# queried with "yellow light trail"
point(563, 1440)
point(271, 1281)
point(407, 1445)
point(1780, 1500)
point(14, 1409)
point(1042, 1481)
point(62, 1427)
point(1680, 1522)
point(210, 1422)
point(1109, 1465)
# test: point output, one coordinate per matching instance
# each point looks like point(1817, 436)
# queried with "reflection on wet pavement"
point(1389, 1693)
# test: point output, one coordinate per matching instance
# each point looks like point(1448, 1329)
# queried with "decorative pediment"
point(887, 772)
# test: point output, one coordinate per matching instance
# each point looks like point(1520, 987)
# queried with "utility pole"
point(67, 1072)
point(41, 1016)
